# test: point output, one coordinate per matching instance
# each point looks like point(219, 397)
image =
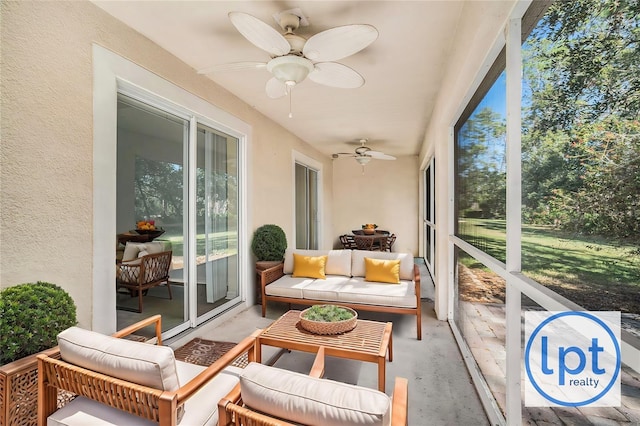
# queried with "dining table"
point(375, 242)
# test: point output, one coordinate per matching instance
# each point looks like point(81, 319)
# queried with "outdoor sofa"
point(347, 279)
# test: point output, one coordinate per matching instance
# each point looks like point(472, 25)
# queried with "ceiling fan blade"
point(336, 75)
point(260, 34)
point(234, 66)
point(275, 88)
point(379, 155)
point(339, 42)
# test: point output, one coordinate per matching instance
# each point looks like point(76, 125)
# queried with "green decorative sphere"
point(31, 316)
point(269, 243)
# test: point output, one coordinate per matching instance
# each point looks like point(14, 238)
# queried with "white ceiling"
point(403, 68)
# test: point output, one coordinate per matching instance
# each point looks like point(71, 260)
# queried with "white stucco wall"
point(47, 142)
point(386, 194)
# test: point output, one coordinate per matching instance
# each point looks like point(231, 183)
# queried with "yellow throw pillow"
point(383, 271)
point(308, 266)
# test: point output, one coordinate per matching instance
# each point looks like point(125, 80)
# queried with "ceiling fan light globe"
point(290, 69)
point(363, 160)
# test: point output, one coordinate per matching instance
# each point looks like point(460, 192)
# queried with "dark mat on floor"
point(206, 352)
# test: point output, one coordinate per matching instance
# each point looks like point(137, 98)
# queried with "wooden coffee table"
point(369, 341)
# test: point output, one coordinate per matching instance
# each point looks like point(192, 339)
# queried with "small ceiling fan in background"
point(363, 154)
point(294, 58)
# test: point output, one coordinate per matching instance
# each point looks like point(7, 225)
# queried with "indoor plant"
point(32, 316)
point(268, 245)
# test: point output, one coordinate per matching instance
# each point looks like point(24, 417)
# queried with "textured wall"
point(47, 141)
point(386, 194)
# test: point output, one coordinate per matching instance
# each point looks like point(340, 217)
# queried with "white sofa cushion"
point(358, 267)
point(288, 286)
point(137, 362)
point(308, 400)
point(357, 290)
point(327, 289)
point(338, 261)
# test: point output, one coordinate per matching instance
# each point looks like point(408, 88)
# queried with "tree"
point(580, 147)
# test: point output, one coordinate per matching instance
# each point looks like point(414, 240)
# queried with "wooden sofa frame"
point(270, 275)
point(231, 410)
point(146, 402)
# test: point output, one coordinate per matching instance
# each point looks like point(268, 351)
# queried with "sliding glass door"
point(186, 182)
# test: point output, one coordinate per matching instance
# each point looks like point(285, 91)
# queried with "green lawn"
point(596, 273)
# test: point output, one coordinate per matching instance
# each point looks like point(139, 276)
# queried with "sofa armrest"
point(271, 274)
point(416, 281)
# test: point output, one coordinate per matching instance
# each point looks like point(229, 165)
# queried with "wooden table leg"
point(382, 374)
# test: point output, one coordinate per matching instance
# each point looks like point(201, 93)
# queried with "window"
point(576, 234)
point(306, 180)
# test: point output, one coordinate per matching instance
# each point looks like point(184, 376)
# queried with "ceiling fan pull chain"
point(290, 90)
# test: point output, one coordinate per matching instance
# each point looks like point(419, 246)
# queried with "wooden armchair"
point(141, 274)
point(107, 396)
point(367, 405)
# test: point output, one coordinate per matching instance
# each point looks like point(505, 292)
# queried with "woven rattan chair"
point(388, 243)
point(363, 242)
point(144, 273)
point(104, 399)
point(233, 411)
point(348, 242)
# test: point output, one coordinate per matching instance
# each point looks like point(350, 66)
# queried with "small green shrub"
point(269, 243)
point(31, 316)
point(328, 313)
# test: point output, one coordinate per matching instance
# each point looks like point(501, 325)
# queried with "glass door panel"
point(150, 186)
point(217, 278)
point(306, 207)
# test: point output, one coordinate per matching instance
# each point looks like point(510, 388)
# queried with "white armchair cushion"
point(132, 250)
point(308, 400)
point(137, 362)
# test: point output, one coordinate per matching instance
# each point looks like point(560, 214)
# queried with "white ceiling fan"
point(294, 58)
point(363, 154)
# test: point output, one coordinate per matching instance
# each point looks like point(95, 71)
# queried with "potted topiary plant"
point(32, 315)
point(268, 245)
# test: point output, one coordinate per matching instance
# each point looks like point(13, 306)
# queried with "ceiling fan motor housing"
point(290, 69)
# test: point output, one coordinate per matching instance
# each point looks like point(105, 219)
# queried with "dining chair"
point(388, 243)
point(363, 242)
point(348, 242)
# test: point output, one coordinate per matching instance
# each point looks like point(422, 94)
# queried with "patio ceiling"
point(403, 68)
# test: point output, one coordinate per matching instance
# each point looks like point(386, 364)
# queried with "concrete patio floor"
point(440, 388)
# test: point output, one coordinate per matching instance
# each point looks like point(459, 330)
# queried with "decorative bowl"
point(328, 328)
point(153, 233)
point(369, 231)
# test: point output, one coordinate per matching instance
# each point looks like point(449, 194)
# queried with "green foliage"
point(328, 313)
point(598, 273)
point(581, 143)
point(481, 163)
point(31, 316)
point(269, 243)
